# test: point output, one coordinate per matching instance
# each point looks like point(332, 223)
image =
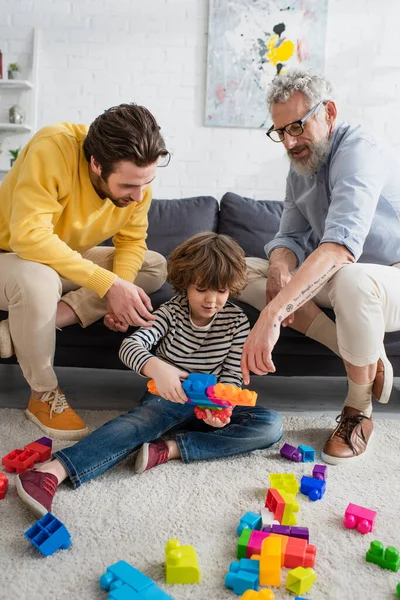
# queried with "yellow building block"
point(264, 594)
point(270, 561)
point(300, 580)
point(291, 507)
point(180, 563)
point(284, 481)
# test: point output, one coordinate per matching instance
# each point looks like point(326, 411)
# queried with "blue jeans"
point(251, 428)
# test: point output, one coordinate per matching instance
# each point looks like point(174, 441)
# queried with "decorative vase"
point(13, 74)
point(16, 115)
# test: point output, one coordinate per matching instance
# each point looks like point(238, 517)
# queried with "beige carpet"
point(123, 516)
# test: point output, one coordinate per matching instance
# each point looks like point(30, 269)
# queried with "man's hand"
point(278, 277)
point(168, 381)
point(129, 304)
point(257, 349)
point(112, 323)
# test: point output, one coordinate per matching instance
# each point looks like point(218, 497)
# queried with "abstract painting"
point(251, 41)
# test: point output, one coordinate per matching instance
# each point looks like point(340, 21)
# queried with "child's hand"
point(111, 321)
point(168, 382)
point(213, 421)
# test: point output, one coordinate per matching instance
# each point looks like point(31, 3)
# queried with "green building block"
point(398, 590)
point(181, 563)
point(387, 559)
point(243, 543)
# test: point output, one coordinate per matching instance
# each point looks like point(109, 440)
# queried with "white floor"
point(103, 389)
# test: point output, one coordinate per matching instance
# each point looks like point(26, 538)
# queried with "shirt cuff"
point(285, 243)
point(341, 235)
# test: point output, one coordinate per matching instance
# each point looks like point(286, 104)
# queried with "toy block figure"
point(284, 481)
point(3, 485)
point(271, 561)
point(300, 580)
point(291, 507)
point(240, 580)
point(320, 472)
point(250, 520)
point(181, 564)
point(307, 453)
point(263, 594)
point(290, 452)
point(48, 535)
point(127, 583)
point(313, 488)
point(275, 503)
point(387, 559)
point(267, 517)
point(243, 542)
point(360, 517)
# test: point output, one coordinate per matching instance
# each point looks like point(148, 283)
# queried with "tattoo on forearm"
point(309, 292)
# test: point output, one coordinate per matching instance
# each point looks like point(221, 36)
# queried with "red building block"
point(3, 485)
point(44, 452)
point(299, 553)
point(19, 460)
point(275, 503)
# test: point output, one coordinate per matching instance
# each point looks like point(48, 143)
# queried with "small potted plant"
point(13, 71)
point(14, 154)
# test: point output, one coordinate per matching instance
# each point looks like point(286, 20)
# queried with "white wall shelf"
point(15, 84)
point(15, 127)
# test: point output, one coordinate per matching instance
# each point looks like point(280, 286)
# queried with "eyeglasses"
point(296, 128)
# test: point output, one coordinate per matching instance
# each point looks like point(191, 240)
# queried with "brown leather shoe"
point(350, 438)
point(383, 382)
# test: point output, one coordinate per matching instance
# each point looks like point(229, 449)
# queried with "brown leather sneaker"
point(383, 382)
point(350, 438)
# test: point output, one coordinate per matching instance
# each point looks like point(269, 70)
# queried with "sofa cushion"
point(252, 223)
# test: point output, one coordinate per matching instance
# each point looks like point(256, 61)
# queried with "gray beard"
point(319, 153)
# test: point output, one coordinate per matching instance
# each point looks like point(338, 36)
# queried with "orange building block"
point(263, 594)
point(232, 394)
point(270, 561)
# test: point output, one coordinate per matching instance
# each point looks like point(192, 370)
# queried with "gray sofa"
point(252, 224)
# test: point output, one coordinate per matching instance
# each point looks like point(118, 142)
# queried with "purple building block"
point(45, 441)
point(300, 532)
point(320, 472)
point(290, 452)
point(297, 532)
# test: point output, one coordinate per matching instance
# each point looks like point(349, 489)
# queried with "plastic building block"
point(300, 580)
point(284, 481)
point(313, 488)
point(48, 535)
point(255, 543)
point(291, 507)
point(297, 532)
point(231, 394)
point(181, 564)
point(127, 583)
point(298, 553)
point(45, 441)
point(275, 503)
point(320, 472)
point(263, 594)
point(267, 517)
point(240, 580)
point(195, 386)
point(3, 485)
point(290, 452)
point(243, 542)
point(398, 590)
point(307, 453)
point(361, 518)
point(300, 532)
point(271, 561)
point(43, 451)
point(387, 559)
point(19, 460)
point(250, 520)
point(223, 414)
point(299, 598)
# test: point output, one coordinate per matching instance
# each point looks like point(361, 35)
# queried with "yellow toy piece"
point(300, 580)
point(234, 394)
point(264, 594)
point(271, 561)
point(291, 507)
point(284, 481)
point(180, 563)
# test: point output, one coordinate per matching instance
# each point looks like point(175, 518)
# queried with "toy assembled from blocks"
point(198, 330)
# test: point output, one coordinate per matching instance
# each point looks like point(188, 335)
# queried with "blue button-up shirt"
point(353, 200)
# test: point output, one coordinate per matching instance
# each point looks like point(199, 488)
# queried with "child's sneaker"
point(36, 490)
point(151, 455)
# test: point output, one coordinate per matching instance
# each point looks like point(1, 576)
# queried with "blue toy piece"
point(299, 598)
point(195, 387)
point(313, 488)
point(250, 520)
point(307, 453)
point(48, 535)
point(241, 580)
point(127, 583)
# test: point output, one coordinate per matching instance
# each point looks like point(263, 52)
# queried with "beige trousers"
point(30, 292)
point(365, 298)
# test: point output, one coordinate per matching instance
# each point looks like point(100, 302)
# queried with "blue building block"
point(307, 453)
point(313, 488)
point(48, 535)
point(195, 388)
point(127, 583)
point(299, 598)
point(250, 520)
point(240, 580)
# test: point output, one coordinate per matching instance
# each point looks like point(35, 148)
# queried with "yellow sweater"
point(50, 212)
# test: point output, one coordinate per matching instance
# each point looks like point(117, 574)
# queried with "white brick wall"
point(98, 53)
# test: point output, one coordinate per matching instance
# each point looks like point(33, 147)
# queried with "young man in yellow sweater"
point(70, 189)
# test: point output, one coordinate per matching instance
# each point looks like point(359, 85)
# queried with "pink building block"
point(361, 518)
point(255, 541)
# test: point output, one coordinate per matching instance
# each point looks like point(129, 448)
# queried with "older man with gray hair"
point(344, 187)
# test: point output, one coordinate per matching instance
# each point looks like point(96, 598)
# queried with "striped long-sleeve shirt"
point(215, 348)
